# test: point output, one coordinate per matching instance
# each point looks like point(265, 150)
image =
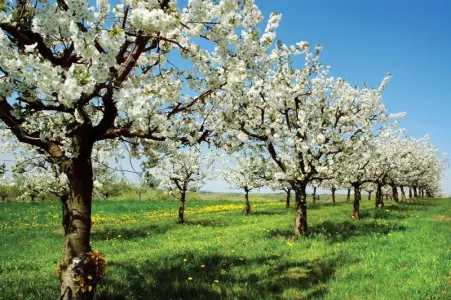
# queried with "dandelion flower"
point(190, 278)
point(202, 266)
point(289, 244)
point(216, 281)
point(185, 260)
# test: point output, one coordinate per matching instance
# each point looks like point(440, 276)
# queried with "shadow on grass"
point(269, 213)
point(208, 223)
point(222, 277)
point(129, 233)
point(342, 231)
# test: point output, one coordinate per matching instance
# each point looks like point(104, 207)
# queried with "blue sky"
point(363, 40)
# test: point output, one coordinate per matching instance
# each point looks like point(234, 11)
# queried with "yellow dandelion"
point(216, 281)
point(185, 260)
point(190, 278)
point(202, 266)
point(241, 258)
point(389, 234)
point(289, 244)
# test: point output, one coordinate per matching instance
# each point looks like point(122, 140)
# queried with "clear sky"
point(363, 40)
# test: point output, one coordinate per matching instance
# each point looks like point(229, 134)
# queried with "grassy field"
point(401, 252)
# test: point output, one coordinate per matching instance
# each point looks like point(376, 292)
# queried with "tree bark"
point(247, 206)
point(395, 193)
point(79, 273)
point(300, 221)
point(314, 195)
point(287, 203)
point(3, 199)
point(333, 195)
point(379, 201)
point(348, 197)
point(422, 193)
point(415, 192)
point(66, 213)
point(182, 207)
point(357, 197)
point(403, 193)
point(369, 195)
point(410, 192)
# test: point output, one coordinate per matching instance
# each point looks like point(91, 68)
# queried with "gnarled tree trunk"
point(357, 197)
point(395, 193)
point(379, 199)
point(79, 272)
point(333, 194)
point(300, 221)
point(181, 219)
point(287, 202)
point(247, 206)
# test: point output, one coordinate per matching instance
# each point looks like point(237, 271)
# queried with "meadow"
point(400, 252)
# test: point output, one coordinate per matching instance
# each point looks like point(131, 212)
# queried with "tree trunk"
point(65, 222)
point(182, 207)
point(314, 195)
point(410, 192)
point(32, 198)
point(287, 203)
point(428, 194)
point(247, 206)
point(422, 193)
point(379, 201)
point(333, 195)
point(348, 197)
point(3, 199)
point(300, 221)
point(395, 193)
point(403, 193)
point(369, 195)
point(80, 272)
point(357, 197)
point(415, 193)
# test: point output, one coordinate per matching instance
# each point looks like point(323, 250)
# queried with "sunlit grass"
point(401, 252)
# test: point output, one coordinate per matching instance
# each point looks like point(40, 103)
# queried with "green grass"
point(402, 252)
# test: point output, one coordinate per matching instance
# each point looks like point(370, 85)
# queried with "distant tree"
point(246, 171)
point(183, 170)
